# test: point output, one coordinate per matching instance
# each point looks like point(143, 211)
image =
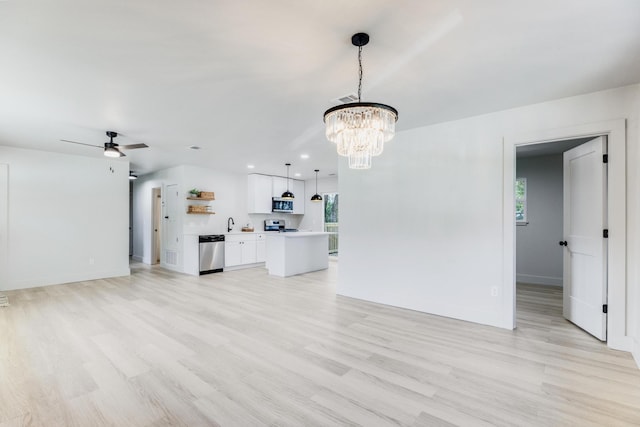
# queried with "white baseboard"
point(539, 280)
point(39, 281)
point(243, 266)
point(137, 258)
point(635, 352)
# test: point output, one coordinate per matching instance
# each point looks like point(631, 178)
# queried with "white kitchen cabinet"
point(298, 192)
point(239, 250)
point(248, 254)
point(232, 253)
point(261, 188)
point(279, 186)
point(261, 248)
point(259, 192)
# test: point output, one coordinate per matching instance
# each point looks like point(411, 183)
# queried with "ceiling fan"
point(111, 149)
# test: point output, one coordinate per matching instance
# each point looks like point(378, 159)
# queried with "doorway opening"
point(539, 209)
point(156, 213)
point(616, 253)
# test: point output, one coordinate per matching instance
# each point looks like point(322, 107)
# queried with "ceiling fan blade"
point(81, 143)
point(132, 146)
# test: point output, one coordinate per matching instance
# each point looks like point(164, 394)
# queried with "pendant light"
point(360, 129)
point(316, 197)
point(287, 194)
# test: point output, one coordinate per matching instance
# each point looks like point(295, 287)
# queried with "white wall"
point(68, 218)
point(313, 219)
point(538, 255)
point(423, 229)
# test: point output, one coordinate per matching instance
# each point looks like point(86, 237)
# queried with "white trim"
point(636, 351)
point(539, 280)
point(615, 130)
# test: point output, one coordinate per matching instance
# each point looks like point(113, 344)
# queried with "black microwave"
point(281, 205)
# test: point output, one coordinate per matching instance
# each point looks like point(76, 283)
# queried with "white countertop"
point(224, 233)
point(243, 232)
point(268, 233)
point(300, 234)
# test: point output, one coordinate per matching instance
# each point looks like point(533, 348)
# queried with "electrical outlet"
point(494, 291)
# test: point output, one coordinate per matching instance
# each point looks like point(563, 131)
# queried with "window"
point(331, 220)
point(521, 201)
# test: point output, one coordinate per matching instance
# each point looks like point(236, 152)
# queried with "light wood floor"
point(242, 348)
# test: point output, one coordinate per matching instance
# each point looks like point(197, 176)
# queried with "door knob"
point(562, 243)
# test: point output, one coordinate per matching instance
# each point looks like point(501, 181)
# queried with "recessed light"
point(304, 156)
point(296, 174)
point(251, 166)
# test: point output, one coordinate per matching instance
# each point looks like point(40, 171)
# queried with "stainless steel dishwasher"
point(211, 253)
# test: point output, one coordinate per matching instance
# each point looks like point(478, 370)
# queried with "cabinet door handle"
point(562, 243)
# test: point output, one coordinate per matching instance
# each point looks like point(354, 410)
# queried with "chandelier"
point(360, 129)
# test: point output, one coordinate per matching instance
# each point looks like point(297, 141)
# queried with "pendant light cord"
point(288, 178)
point(360, 75)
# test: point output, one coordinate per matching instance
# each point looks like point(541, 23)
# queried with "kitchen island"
point(299, 252)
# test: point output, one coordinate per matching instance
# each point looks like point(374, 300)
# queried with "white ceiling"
point(249, 80)
point(549, 148)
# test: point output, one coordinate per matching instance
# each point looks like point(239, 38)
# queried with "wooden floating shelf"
point(201, 213)
point(200, 198)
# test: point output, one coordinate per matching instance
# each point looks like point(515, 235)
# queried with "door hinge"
point(605, 158)
point(604, 308)
point(605, 233)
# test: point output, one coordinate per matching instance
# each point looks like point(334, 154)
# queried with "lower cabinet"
point(241, 249)
point(261, 248)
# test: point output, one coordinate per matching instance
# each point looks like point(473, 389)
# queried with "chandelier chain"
point(360, 75)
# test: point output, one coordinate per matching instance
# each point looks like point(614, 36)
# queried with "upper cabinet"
point(259, 194)
point(279, 186)
point(261, 188)
point(297, 187)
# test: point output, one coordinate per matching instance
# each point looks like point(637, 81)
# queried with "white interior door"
point(585, 264)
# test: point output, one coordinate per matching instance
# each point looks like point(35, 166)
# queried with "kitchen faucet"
point(230, 224)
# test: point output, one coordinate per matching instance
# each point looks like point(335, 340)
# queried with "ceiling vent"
point(347, 99)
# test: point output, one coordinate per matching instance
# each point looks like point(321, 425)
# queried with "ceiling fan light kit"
point(111, 148)
point(360, 129)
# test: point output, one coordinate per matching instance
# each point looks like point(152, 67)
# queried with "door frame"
point(156, 220)
point(615, 130)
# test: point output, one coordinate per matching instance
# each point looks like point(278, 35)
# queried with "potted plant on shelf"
point(194, 193)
